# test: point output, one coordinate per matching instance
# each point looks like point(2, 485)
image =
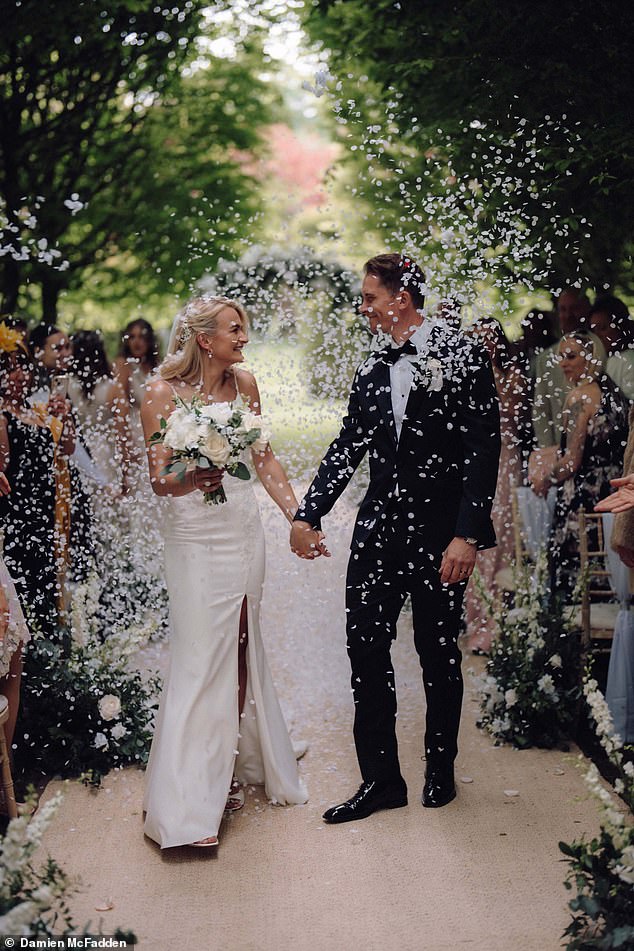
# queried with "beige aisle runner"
point(483, 873)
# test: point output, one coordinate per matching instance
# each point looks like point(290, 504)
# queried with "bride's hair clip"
point(185, 330)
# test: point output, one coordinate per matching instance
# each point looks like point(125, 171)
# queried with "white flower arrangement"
point(529, 691)
point(210, 436)
point(602, 870)
point(26, 895)
point(34, 901)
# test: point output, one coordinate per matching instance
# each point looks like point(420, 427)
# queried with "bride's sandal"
point(209, 843)
point(235, 799)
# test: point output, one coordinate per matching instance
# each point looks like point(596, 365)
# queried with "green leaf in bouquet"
point(204, 463)
point(163, 423)
point(177, 466)
point(240, 471)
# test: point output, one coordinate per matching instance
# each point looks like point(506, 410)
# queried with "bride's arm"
point(158, 404)
point(269, 470)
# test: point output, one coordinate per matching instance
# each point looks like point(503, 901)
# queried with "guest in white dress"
point(138, 359)
point(219, 724)
point(101, 410)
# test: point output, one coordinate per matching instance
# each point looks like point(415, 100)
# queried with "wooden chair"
point(597, 613)
point(504, 578)
point(6, 779)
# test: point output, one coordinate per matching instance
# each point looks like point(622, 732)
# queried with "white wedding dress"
point(214, 557)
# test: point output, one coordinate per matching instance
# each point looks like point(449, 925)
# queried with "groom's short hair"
point(398, 272)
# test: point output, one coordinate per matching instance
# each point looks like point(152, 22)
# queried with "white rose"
point(118, 731)
point(216, 448)
point(510, 698)
point(182, 430)
point(109, 707)
point(254, 421)
point(100, 741)
point(221, 413)
point(250, 421)
point(263, 440)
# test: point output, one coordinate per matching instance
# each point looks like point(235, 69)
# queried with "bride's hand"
point(207, 480)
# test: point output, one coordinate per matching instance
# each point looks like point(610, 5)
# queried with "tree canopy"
point(119, 156)
point(473, 82)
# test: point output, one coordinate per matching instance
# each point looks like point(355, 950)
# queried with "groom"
point(425, 409)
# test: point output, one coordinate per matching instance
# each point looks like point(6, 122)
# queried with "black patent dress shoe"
point(439, 788)
point(369, 798)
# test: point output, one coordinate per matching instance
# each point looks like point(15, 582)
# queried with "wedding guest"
point(449, 310)
point(538, 334)
point(621, 503)
point(138, 359)
point(52, 355)
point(101, 409)
point(593, 437)
point(13, 634)
point(35, 445)
point(219, 715)
point(512, 387)
point(551, 385)
point(610, 320)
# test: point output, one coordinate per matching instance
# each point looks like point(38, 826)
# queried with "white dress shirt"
point(402, 373)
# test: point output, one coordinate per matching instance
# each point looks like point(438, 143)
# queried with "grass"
point(303, 424)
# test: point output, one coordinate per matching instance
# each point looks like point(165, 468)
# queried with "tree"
point(105, 143)
point(460, 81)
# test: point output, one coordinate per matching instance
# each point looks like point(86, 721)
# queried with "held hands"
point(620, 501)
point(458, 561)
point(307, 542)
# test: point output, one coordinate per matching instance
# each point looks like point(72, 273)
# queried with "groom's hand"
point(307, 542)
point(458, 561)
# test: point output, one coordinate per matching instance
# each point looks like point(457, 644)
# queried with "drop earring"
point(210, 354)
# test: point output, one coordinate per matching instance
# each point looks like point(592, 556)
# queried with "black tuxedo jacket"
point(443, 467)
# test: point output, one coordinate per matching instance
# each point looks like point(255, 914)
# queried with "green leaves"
point(240, 471)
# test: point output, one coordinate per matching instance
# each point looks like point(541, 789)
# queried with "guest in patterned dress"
point(593, 438)
point(35, 445)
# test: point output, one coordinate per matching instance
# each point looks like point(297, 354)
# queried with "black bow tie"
point(392, 354)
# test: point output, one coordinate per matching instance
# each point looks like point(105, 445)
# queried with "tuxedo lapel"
point(381, 380)
point(418, 395)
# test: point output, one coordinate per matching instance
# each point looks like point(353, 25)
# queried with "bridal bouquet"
point(210, 436)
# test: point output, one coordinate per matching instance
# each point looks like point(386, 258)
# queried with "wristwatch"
point(470, 541)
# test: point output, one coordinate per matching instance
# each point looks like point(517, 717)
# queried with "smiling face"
point(56, 354)
point(379, 305)
point(227, 343)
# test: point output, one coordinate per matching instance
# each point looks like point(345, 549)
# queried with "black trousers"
point(392, 564)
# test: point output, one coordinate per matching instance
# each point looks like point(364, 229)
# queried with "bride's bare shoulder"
point(246, 385)
point(159, 393)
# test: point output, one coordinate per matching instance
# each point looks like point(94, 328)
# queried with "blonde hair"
point(592, 349)
point(185, 356)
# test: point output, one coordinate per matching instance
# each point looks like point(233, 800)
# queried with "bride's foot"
point(235, 799)
point(209, 843)
point(300, 748)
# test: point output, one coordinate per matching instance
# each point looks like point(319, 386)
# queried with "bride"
point(219, 724)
